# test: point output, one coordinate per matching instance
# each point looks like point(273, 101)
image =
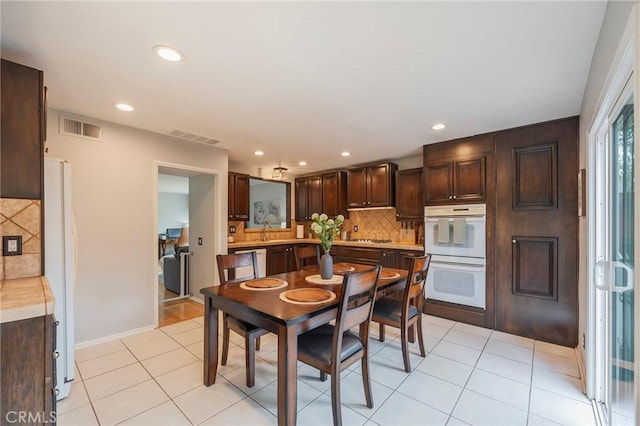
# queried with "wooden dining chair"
point(306, 256)
point(228, 265)
point(331, 348)
point(406, 313)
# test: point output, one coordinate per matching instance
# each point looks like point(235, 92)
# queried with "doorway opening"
point(185, 221)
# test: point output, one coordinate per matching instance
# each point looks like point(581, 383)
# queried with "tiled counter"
point(24, 298)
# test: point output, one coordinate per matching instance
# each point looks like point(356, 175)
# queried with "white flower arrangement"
point(326, 229)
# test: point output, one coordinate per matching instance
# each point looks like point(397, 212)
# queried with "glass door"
point(614, 250)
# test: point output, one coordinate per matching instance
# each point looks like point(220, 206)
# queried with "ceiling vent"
point(73, 127)
point(193, 138)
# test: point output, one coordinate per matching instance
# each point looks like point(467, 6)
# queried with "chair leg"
point(405, 347)
point(323, 376)
point(381, 332)
point(366, 381)
point(225, 342)
point(420, 338)
point(335, 398)
point(250, 359)
point(412, 334)
point(258, 343)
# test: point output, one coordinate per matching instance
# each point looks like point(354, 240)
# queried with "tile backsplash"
point(372, 224)
point(21, 217)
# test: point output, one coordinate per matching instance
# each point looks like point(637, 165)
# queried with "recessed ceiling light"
point(302, 163)
point(345, 153)
point(124, 107)
point(168, 53)
point(438, 126)
point(259, 153)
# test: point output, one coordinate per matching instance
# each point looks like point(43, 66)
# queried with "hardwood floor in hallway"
point(178, 311)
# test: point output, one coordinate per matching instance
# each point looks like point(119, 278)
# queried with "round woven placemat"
point(386, 275)
point(317, 279)
point(341, 268)
point(284, 298)
point(247, 285)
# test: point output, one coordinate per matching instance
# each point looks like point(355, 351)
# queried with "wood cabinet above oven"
point(455, 172)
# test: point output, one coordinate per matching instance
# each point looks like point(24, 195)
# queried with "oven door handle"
point(470, 219)
point(457, 265)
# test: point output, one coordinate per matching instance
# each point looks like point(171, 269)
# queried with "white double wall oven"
point(455, 236)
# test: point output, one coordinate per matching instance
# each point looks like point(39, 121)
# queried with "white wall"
point(115, 205)
point(615, 20)
point(173, 210)
point(202, 224)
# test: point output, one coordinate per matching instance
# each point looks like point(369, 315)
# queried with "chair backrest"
point(356, 305)
point(230, 262)
point(306, 256)
point(416, 278)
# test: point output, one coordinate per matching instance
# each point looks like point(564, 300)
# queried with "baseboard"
point(581, 369)
point(195, 299)
point(111, 337)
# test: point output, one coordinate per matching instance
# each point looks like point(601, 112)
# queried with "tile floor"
point(471, 375)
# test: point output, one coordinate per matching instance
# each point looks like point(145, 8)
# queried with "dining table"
point(267, 309)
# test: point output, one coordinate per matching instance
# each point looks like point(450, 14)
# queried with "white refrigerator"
point(59, 264)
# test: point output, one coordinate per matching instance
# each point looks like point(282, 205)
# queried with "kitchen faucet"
point(264, 231)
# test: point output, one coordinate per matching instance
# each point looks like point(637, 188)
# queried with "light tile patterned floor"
point(471, 376)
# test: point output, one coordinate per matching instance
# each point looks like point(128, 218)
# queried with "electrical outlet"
point(232, 229)
point(355, 228)
point(12, 245)
point(199, 241)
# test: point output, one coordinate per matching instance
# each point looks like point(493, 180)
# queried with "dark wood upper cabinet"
point(326, 193)
point(22, 131)
point(455, 171)
point(334, 194)
point(409, 194)
point(238, 196)
point(308, 197)
point(371, 186)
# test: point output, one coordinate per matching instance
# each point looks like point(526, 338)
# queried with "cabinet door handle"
point(513, 241)
point(455, 196)
point(56, 355)
point(56, 392)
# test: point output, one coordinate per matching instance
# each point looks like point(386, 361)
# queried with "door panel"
point(535, 266)
point(315, 195)
point(356, 187)
point(438, 183)
point(469, 180)
point(378, 189)
point(535, 172)
point(302, 191)
point(536, 281)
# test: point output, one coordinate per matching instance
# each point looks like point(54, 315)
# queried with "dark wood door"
point(438, 185)
point(357, 187)
point(301, 188)
point(242, 197)
point(22, 131)
point(315, 195)
point(536, 232)
point(409, 197)
point(380, 185)
point(238, 197)
point(334, 194)
point(469, 180)
point(280, 259)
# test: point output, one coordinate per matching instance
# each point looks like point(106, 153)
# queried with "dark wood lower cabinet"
point(280, 259)
point(27, 371)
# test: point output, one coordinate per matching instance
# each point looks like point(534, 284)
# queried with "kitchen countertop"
point(392, 245)
point(24, 298)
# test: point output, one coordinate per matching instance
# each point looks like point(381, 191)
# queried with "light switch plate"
point(12, 245)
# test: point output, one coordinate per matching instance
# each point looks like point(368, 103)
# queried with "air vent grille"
point(73, 127)
point(193, 138)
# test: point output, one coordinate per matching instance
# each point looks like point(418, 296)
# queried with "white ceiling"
point(306, 80)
